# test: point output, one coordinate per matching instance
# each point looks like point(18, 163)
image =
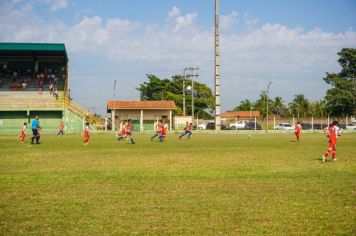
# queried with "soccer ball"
point(249, 136)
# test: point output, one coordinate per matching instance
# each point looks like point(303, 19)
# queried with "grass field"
point(209, 185)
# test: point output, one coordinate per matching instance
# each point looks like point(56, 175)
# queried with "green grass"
point(209, 185)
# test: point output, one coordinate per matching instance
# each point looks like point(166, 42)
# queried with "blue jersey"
point(35, 124)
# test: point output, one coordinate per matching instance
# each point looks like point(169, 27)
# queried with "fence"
point(288, 123)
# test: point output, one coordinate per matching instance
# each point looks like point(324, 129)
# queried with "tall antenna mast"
point(217, 69)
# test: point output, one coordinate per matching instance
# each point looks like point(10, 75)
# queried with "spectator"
point(51, 88)
point(24, 85)
point(55, 94)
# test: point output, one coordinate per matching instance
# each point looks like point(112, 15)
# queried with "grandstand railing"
point(18, 101)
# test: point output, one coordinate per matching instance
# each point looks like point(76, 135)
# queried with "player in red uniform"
point(187, 130)
point(61, 129)
point(122, 134)
point(298, 130)
point(86, 134)
point(23, 133)
point(332, 132)
point(159, 127)
point(128, 131)
point(164, 132)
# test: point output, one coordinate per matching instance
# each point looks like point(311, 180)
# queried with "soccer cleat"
point(323, 159)
point(334, 159)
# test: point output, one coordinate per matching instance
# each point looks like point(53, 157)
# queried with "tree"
point(245, 105)
point(319, 108)
point(171, 89)
point(299, 106)
point(341, 99)
point(261, 105)
point(278, 107)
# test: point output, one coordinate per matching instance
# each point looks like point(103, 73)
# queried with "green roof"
point(33, 46)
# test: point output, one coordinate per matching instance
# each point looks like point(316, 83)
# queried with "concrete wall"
point(73, 123)
point(12, 121)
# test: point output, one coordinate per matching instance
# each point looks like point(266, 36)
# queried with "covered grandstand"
point(34, 81)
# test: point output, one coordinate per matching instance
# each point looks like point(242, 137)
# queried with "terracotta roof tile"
point(240, 114)
point(141, 105)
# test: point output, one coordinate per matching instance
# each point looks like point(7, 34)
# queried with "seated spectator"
point(50, 88)
point(24, 84)
point(55, 94)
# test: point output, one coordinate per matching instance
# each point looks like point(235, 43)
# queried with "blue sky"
point(291, 43)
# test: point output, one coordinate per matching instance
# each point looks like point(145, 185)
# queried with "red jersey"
point(189, 127)
point(164, 131)
point(298, 128)
point(23, 131)
point(333, 132)
point(61, 126)
point(128, 127)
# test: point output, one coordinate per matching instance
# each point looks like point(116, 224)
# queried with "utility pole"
point(217, 69)
point(184, 78)
point(193, 73)
point(113, 110)
point(267, 92)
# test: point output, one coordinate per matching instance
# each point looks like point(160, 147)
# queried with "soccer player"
point(187, 130)
point(333, 132)
point(86, 134)
point(23, 133)
point(163, 132)
point(128, 132)
point(122, 134)
point(35, 127)
point(298, 130)
point(61, 129)
point(159, 127)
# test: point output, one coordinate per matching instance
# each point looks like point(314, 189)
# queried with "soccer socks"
point(120, 138)
point(181, 135)
point(132, 141)
point(154, 136)
point(190, 134)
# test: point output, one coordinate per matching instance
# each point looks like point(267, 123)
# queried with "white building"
point(144, 114)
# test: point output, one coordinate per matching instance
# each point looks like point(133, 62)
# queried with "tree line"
point(340, 99)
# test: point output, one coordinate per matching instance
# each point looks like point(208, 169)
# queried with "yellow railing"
point(43, 102)
point(74, 107)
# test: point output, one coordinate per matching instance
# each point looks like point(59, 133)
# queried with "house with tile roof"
point(144, 114)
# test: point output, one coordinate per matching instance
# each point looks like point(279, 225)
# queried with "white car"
point(284, 126)
point(351, 127)
point(240, 124)
point(203, 125)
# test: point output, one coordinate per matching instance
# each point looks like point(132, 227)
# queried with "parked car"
point(251, 126)
point(211, 125)
point(203, 125)
point(351, 127)
point(240, 124)
point(284, 126)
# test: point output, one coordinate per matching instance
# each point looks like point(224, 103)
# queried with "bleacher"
point(27, 70)
point(27, 100)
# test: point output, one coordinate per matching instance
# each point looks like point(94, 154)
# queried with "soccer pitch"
point(208, 185)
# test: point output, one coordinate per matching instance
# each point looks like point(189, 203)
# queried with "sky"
point(290, 43)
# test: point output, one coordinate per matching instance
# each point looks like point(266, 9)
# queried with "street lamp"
point(267, 92)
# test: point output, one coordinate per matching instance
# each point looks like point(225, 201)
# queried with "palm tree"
point(277, 106)
point(299, 106)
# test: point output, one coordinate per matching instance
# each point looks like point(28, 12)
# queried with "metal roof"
point(33, 48)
